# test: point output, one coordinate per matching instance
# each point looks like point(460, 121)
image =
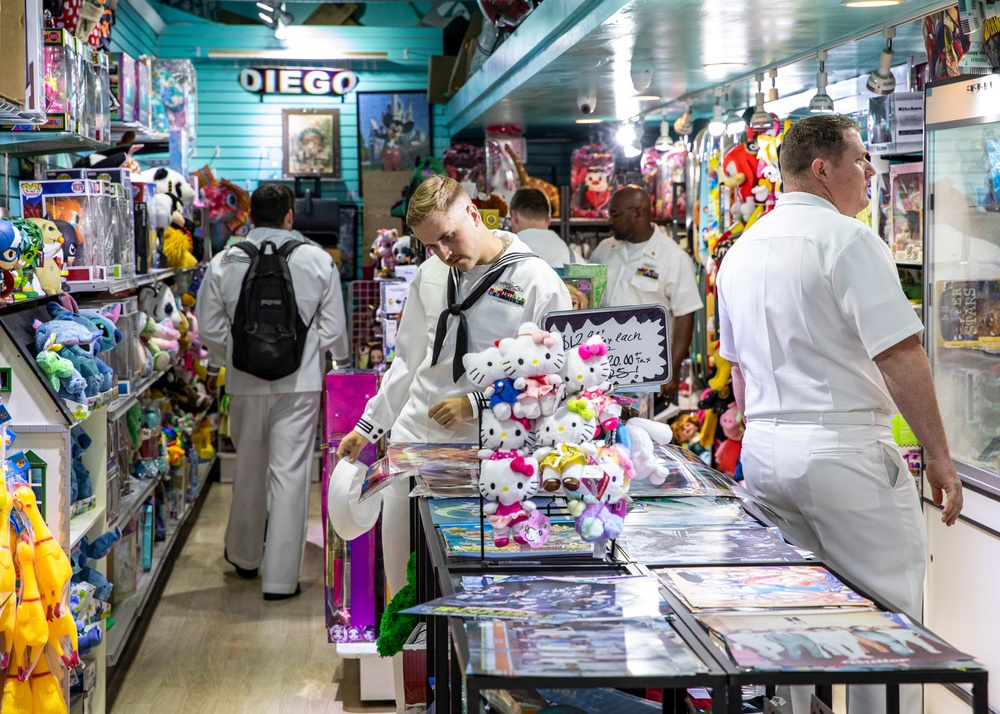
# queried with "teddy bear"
point(564, 447)
point(586, 373)
point(534, 360)
point(173, 193)
point(485, 370)
point(507, 483)
point(600, 514)
point(505, 435)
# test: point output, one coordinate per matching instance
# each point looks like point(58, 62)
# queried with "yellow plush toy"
point(177, 244)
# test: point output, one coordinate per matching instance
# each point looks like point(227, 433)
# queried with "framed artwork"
point(394, 130)
point(310, 141)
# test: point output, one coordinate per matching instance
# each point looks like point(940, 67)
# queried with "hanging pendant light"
point(684, 124)
point(663, 141)
point(821, 103)
point(772, 95)
point(717, 127)
point(735, 124)
point(761, 120)
point(881, 80)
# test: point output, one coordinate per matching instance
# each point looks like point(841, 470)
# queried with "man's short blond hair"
point(436, 194)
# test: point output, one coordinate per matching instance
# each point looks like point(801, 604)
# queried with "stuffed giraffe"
point(31, 630)
point(550, 191)
point(46, 694)
point(8, 610)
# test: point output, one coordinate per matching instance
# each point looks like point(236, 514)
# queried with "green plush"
point(133, 420)
point(396, 628)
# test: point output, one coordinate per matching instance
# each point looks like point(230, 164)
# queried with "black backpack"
point(269, 335)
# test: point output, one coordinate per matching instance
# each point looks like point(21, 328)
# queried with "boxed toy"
point(81, 210)
point(906, 212)
point(102, 97)
point(123, 562)
point(144, 92)
point(144, 226)
point(62, 70)
point(122, 79)
point(146, 536)
point(175, 84)
point(591, 181)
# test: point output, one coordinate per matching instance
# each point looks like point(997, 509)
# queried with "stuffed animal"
point(84, 573)
point(173, 193)
point(587, 373)
point(507, 481)
point(534, 360)
point(382, 253)
point(66, 381)
point(600, 515)
point(159, 302)
point(77, 346)
point(68, 312)
point(162, 340)
point(402, 251)
point(49, 271)
point(81, 484)
point(727, 454)
point(505, 435)
point(178, 244)
point(550, 191)
point(106, 321)
point(564, 446)
point(640, 437)
point(485, 370)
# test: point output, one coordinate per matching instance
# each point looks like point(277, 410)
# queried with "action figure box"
point(906, 212)
point(593, 168)
point(122, 80)
point(144, 227)
point(102, 97)
point(63, 79)
point(81, 209)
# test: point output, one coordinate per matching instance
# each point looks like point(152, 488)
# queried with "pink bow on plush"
point(525, 422)
point(597, 350)
point(519, 465)
point(541, 337)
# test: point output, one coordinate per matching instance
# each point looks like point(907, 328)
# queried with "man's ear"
point(474, 212)
point(818, 169)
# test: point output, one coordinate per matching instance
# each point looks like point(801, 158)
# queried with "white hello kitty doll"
point(586, 374)
point(515, 437)
point(602, 514)
point(564, 445)
point(485, 370)
point(508, 483)
point(534, 360)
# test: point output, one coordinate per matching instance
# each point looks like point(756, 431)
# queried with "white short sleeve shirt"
point(807, 298)
point(549, 246)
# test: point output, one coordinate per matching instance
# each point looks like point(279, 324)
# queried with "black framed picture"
point(394, 130)
point(310, 141)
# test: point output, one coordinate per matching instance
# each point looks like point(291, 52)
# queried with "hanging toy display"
point(466, 164)
point(593, 167)
point(550, 191)
point(501, 172)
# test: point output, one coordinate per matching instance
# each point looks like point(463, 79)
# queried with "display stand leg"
point(980, 697)
point(455, 685)
point(824, 692)
point(892, 699)
point(442, 703)
point(718, 700)
point(734, 695)
point(675, 701)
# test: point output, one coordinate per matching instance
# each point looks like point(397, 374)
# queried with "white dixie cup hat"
point(349, 517)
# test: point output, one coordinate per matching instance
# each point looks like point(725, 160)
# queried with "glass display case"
point(962, 265)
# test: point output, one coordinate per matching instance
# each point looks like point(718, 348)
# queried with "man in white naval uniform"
point(529, 219)
point(426, 397)
point(646, 267)
point(824, 348)
point(273, 422)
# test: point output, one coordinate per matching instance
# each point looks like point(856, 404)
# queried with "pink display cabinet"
point(350, 619)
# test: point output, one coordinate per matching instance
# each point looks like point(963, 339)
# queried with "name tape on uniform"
point(637, 338)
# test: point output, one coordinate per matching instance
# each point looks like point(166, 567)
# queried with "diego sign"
point(290, 80)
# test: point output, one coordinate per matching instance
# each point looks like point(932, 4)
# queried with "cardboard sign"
point(637, 337)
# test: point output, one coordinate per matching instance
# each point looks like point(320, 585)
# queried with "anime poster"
point(856, 639)
point(465, 511)
point(691, 511)
point(945, 43)
point(465, 540)
point(394, 130)
point(524, 597)
point(443, 469)
point(906, 212)
point(311, 142)
point(653, 545)
point(773, 587)
point(635, 648)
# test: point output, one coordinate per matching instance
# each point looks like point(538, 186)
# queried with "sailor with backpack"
point(269, 309)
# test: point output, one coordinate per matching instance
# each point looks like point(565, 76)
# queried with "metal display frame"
point(448, 646)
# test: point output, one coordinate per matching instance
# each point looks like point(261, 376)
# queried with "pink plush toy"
point(587, 373)
point(603, 515)
point(508, 481)
point(727, 455)
point(534, 360)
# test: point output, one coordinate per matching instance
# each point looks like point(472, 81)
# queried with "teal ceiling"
point(675, 38)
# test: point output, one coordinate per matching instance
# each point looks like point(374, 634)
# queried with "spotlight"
point(663, 141)
point(734, 121)
point(684, 124)
point(761, 120)
point(975, 62)
point(626, 134)
point(717, 127)
point(631, 151)
point(881, 80)
point(772, 95)
point(273, 14)
point(821, 103)
point(642, 76)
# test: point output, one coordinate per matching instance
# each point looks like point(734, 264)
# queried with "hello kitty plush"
point(600, 515)
point(505, 435)
point(508, 483)
point(587, 373)
point(485, 370)
point(564, 445)
point(534, 360)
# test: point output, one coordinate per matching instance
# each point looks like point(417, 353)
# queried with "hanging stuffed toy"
point(564, 447)
point(508, 481)
point(485, 370)
point(587, 373)
point(600, 515)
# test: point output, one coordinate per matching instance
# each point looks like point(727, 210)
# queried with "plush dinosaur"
point(550, 191)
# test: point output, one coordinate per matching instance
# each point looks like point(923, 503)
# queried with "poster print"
point(654, 545)
point(310, 142)
point(394, 129)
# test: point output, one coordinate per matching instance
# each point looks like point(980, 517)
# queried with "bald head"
point(631, 215)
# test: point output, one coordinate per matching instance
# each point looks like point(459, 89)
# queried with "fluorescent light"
point(589, 121)
point(871, 3)
point(647, 97)
point(314, 53)
point(716, 65)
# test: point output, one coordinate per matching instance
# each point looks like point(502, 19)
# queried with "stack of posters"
point(846, 639)
point(654, 545)
point(627, 648)
point(550, 599)
point(684, 474)
point(469, 540)
point(441, 469)
point(691, 511)
point(778, 587)
point(464, 511)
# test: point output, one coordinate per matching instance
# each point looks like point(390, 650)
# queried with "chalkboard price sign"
point(637, 337)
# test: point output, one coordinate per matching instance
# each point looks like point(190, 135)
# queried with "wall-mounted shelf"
point(23, 143)
point(81, 524)
point(131, 503)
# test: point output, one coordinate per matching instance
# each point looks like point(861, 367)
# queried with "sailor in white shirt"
point(478, 287)
point(824, 346)
point(273, 422)
point(646, 267)
point(529, 218)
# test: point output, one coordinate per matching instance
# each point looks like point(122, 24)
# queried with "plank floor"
point(214, 645)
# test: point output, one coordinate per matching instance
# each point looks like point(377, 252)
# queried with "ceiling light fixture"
point(772, 95)
point(589, 121)
point(273, 14)
point(626, 134)
point(871, 3)
point(724, 65)
point(761, 120)
point(717, 127)
point(647, 97)
point(972, 16)
point(684, 124)
point(642, 76)
point(881, 80)
point(663, 141)
point(735, 124)
point(821, 103)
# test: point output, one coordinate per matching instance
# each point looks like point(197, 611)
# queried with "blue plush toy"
point(80, 346)
point(95, 551)
point(88, 637)
point(105, 321)
point(81, 485)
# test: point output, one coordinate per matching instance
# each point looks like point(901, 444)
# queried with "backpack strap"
point(247, 247)
point(288, 247)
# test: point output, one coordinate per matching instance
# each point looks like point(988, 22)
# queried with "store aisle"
point(214, 644)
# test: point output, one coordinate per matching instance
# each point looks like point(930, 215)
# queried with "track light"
point(684, 124)
point(881, 80)
point(717, 127)
point(273, 14)
point(761, 120)
point(663, 141)
point(975, 62)
point(735, 124)
point(642, 76)
point(772, 95)
point(821, 103)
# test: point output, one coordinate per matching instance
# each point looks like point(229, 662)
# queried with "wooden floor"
point(214, 645)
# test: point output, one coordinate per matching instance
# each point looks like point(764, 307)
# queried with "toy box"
point(81, 209)
point(896, 123)
point(143, 225)
point(175, 85)
point(501, 173)
point(123, 562)
point(63, 75)
point(102, 97)
point(122, 80)
point(906, 212)
point(593, 167)
point(144, 92)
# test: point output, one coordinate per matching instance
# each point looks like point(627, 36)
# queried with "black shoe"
point(283, 596)
point(245, 573)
